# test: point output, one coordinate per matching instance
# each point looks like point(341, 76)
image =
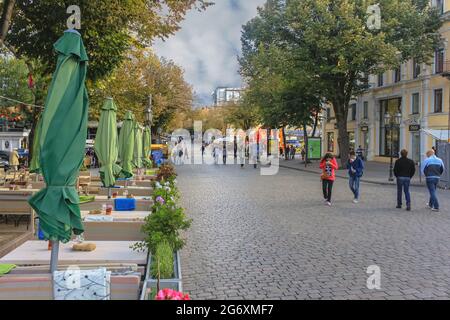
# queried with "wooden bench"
point(17, 206)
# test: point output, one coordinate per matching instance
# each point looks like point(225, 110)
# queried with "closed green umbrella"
point(106, 144)
point(34, 164)
point(126, 144)
point(147, 148)
point(137, 152)
point(61, 143)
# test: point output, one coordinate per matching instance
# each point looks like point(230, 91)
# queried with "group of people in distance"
point(432, 168)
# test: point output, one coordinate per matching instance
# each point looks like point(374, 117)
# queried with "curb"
point(415, 184)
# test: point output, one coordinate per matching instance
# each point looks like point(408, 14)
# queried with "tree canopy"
point(326, 47)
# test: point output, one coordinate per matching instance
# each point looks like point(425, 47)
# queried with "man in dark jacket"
point(355, 166)
point(404, 170)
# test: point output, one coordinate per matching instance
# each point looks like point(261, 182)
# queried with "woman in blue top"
point(355, 166)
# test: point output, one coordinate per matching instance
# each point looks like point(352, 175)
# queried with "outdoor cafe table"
point(121, 215)
point(107, 252)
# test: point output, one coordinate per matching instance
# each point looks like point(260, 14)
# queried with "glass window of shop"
point(416, 69)
point(330, 141)
point(389, 135)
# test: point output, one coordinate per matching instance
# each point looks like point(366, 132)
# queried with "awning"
point(438, 134)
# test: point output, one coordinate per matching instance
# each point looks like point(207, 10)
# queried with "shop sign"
point(364, 128)
point(414, 127)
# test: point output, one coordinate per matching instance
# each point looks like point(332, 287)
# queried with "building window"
point(351, 140)
point(366, 110)
point(398, 74)
point(389, 135)
point(380, 79)
point(328, 114)
point(416, 69)
point(438, 100)
point(440, 6)
point(330, 141)
point(415, 103)
point(353, 111)
point(439, 61)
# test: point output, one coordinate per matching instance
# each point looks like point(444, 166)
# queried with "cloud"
point(208, 44)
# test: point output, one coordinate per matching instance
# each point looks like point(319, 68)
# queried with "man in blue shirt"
point(355, 167)
point(432, 168)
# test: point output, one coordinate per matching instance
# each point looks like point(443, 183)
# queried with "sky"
point(208, 44)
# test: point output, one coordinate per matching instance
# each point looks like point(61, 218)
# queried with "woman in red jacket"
point(328, 166)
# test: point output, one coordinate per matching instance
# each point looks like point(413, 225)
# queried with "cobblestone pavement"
point(272, 237)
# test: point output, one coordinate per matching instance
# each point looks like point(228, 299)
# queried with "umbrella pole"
point(54, 256)
point(109, 192)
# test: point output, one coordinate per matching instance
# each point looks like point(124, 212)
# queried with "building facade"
point(223, 95)
point(419, 92)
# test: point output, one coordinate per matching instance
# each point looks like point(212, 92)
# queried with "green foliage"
point(167, 219)
point(109, 28)
point(164, 224)
point(299, 52)
point(162, 263)
point(13, 81)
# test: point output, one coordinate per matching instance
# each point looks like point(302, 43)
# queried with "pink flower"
point(169, 294)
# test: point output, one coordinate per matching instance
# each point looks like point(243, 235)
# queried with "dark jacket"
point(358, 167)
point(404, 167)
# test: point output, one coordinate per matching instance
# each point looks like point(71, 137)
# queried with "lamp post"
point(149, 114)
point(392, 122)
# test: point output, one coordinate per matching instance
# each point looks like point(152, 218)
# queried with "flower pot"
point(150, 283)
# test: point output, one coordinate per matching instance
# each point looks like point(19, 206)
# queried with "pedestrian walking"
point(432, 168)
point(14, 160)
point(215, 155)
point(404, 170)
point(303, 153)
point(203, 149)
point(360, 152)
point(355, 166)
point(224, 153)
point(328, 165)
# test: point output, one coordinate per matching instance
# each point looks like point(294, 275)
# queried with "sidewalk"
point(375, 172)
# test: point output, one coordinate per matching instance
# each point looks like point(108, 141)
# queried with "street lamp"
point(148, 112)
point(391, 122)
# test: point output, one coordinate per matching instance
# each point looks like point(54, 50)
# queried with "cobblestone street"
point(271, 237)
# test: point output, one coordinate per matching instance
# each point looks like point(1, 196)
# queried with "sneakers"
point(408, 208)
point(355, 201)
point(435, 210)
point(428, 206)
point(398, 207)
point(329, 203)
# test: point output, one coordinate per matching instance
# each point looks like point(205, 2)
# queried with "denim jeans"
point(432, 187)
point(403, 185)
point(354, 185)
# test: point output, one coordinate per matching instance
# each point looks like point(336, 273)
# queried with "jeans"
point(327, 187)
point(354, 185)
point(403, 185)
point(432, 187)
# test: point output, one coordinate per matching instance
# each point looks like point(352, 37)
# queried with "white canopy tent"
point(438, 134)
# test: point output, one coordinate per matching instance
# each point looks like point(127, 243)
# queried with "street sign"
point(414, 127)
point(364, 128)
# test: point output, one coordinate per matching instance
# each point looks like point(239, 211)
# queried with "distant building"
point(223, 95)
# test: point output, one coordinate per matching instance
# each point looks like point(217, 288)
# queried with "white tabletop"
point(122, 215)
point(138, 198)
point(37, 253)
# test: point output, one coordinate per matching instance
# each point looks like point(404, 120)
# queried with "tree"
point(334, 44)
point(140, 75)
point(109, 28)
point(283, 94)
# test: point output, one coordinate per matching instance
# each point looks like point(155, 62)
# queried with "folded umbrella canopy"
point(126, 144)
point(147, 147)
point(61, 142)
point(137, 152)
point(106, 144)
point(34, 164)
